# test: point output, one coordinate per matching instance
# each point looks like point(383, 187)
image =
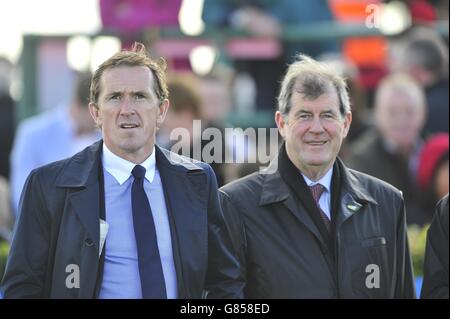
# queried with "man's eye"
point(304, 116)
point(114, 97)
point(139, 96)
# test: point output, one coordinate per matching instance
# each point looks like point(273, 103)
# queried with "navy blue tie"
point(150, 269)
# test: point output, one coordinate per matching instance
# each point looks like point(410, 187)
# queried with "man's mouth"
point(316, 143)
point(128, 125)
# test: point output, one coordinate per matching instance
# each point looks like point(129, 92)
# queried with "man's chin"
point(130, 147)
point(317, 162)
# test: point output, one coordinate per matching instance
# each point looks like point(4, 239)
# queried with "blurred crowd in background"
point(398, 84)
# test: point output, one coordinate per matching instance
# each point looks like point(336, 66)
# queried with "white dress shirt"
point(121, 271)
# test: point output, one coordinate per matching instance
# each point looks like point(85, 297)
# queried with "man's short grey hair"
point(311, 79)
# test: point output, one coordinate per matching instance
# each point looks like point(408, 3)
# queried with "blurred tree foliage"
point(417, 237)
point(4, 250)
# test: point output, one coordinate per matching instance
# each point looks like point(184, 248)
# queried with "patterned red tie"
point(317, 191)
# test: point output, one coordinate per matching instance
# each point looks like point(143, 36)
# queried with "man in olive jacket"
point(307, 226)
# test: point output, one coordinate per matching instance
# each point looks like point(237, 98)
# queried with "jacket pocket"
point(373, 242)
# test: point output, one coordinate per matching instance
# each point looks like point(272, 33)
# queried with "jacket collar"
point(82, 169)
point(352, 185)
point(81, 174)
point(184, 185)
point(121, 169)
point(353, 195)
point(275, 189)
point(173, 161)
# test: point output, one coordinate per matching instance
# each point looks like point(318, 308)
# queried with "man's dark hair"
point(427, 54)
point(136, 56)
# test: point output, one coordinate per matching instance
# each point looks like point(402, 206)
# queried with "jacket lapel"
point(81, 178)
point(275, 190)
point(183, 181)
point(85, 204)
point(353, 196)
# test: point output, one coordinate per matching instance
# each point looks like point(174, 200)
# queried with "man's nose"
point(127, 106)
point(316, 126)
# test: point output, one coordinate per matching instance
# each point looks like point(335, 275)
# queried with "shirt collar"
point(121, 169)
point(324, 181)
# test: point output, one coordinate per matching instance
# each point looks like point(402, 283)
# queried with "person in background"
point(391, 150)
point(426, 60)
point(6, 223)
point(7, 118)
point(52, 136)
point(205, 100)
point(432, 175)
point(184, 109)
point(267, 19)
point(435, 279)
point(6, 217)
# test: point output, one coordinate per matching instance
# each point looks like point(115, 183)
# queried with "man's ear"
point(95, 113)
point(347, 122)
point(163, 108)
point(281, 123)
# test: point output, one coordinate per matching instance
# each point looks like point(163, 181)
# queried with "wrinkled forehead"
point(326, 102)
point(127, 78)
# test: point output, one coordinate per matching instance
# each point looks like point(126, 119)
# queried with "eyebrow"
point(302, 112)
point(309, 112)
point(145, 93)
point(132, 93)
point(113, 93)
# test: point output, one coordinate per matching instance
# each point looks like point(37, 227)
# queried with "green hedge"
point(4, 250)
point(417, 237)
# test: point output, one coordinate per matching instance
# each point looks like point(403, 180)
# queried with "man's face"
point(314, 131)
point(129, 111)
point(399, 117)
point(441, 182)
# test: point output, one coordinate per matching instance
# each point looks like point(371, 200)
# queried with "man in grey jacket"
point(308, 226)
